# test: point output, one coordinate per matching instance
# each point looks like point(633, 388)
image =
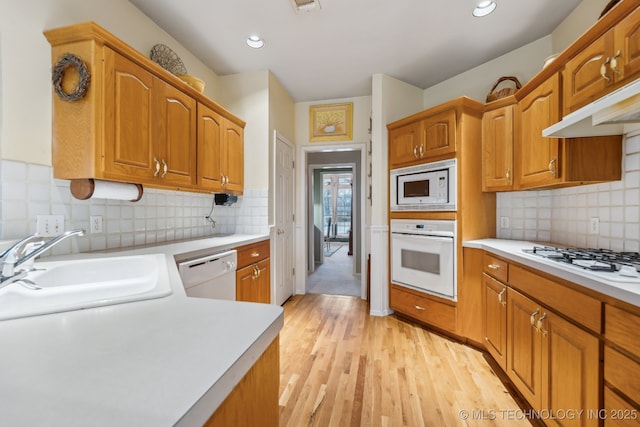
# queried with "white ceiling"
point(333, 52)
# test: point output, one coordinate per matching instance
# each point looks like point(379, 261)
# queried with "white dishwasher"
point(211, 276)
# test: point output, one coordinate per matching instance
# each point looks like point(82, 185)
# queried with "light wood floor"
point(341, 367)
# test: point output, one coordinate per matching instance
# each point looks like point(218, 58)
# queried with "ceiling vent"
point(305, 5)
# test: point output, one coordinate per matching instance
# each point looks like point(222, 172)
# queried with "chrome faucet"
point(15, 255)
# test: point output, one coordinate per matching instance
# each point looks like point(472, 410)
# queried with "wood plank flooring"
point(341, 367)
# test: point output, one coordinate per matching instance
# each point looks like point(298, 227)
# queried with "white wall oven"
point(425, 187)
point(423, 256)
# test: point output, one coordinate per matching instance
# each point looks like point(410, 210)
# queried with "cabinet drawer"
point(252, 253)
point(622, 328)
point(423, 309)
point(622, 373)
point(582, 308)
point(618, 412)
point(495, 267)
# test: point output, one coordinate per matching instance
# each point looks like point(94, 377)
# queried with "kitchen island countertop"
point(161, 362)
point(512, 250)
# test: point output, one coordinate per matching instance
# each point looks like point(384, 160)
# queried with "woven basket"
point(494, 94)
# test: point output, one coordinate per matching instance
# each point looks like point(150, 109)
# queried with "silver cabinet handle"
point(614, 63)
point(164, 168)
point(533, 317)
point(419, 308)
point(603, 70)
point(500, 297)
point(415, 151)
point(255, 254)
point(552, 168)
point(494, 266)
point(508, 175)
point(157, 167)
point(421, 151)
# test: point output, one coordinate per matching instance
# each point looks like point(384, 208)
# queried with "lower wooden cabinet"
point(553, 363)
point(524, 347)
point(254, 401)
point(424, 308)
point(622, 366)
point(570, 370)
point(494, 318)
point(253, 281)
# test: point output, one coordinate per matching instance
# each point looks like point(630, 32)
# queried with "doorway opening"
point(335, 217)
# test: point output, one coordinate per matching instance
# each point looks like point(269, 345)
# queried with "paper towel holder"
point(83, 189)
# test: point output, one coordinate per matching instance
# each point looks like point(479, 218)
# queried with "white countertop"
point(512, 250)
point(161, 362)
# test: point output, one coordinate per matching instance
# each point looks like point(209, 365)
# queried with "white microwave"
point(426, 187)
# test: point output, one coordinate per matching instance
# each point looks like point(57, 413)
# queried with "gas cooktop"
point(602, 263)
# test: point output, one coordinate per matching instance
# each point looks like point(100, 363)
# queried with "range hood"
point(606, 116)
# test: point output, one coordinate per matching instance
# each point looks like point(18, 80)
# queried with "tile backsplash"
point(564, 216)
point(29, 190)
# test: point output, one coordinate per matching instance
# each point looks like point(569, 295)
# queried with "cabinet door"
point(495, 319)
point(404, 143)
point(245, 278)
point(438, 135)
point(570, 369)
point(538, 159)
point(497, 149)
point(232, 154)
point(582, 78)
point(627, 41)
point(176, 124)
point(263, 282)
point(129, 143)
point(524, 343)
point(209, 147)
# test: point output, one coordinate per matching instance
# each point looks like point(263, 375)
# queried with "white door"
point(284, 221)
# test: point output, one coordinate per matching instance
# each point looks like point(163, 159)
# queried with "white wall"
point(582, 17)
point(523, 63)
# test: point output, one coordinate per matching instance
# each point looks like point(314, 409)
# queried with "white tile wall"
point(563, 216)
point(28, 190)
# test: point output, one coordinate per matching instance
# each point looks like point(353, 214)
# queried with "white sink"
point(86, 283)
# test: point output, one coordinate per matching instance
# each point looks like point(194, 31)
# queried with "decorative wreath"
point(65, 61)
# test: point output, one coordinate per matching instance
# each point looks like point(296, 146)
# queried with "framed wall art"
point(331, 122)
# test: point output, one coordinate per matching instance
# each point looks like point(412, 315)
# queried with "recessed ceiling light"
point(255, 42)
point(484, 8)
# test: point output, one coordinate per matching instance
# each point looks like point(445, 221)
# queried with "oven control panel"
point(430, 227)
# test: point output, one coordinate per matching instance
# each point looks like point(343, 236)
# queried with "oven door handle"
point(432, 237)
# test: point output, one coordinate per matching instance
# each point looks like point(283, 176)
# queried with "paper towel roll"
point(84, 189)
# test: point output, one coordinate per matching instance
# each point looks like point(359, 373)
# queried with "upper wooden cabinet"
point(559, 162)
point(439, 135)
point(425, 137)
point(232, 157)
point(606, 64)
point(405, 145)
point(538, 157)
point(139, 123)
point(497, 146)
point(220, 152)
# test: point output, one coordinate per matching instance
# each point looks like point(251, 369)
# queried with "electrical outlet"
point(95, 224)
point(594, 225)
point(49, 225)
point(504, 222)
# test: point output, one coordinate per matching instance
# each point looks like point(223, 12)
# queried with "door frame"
point(302, 225)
